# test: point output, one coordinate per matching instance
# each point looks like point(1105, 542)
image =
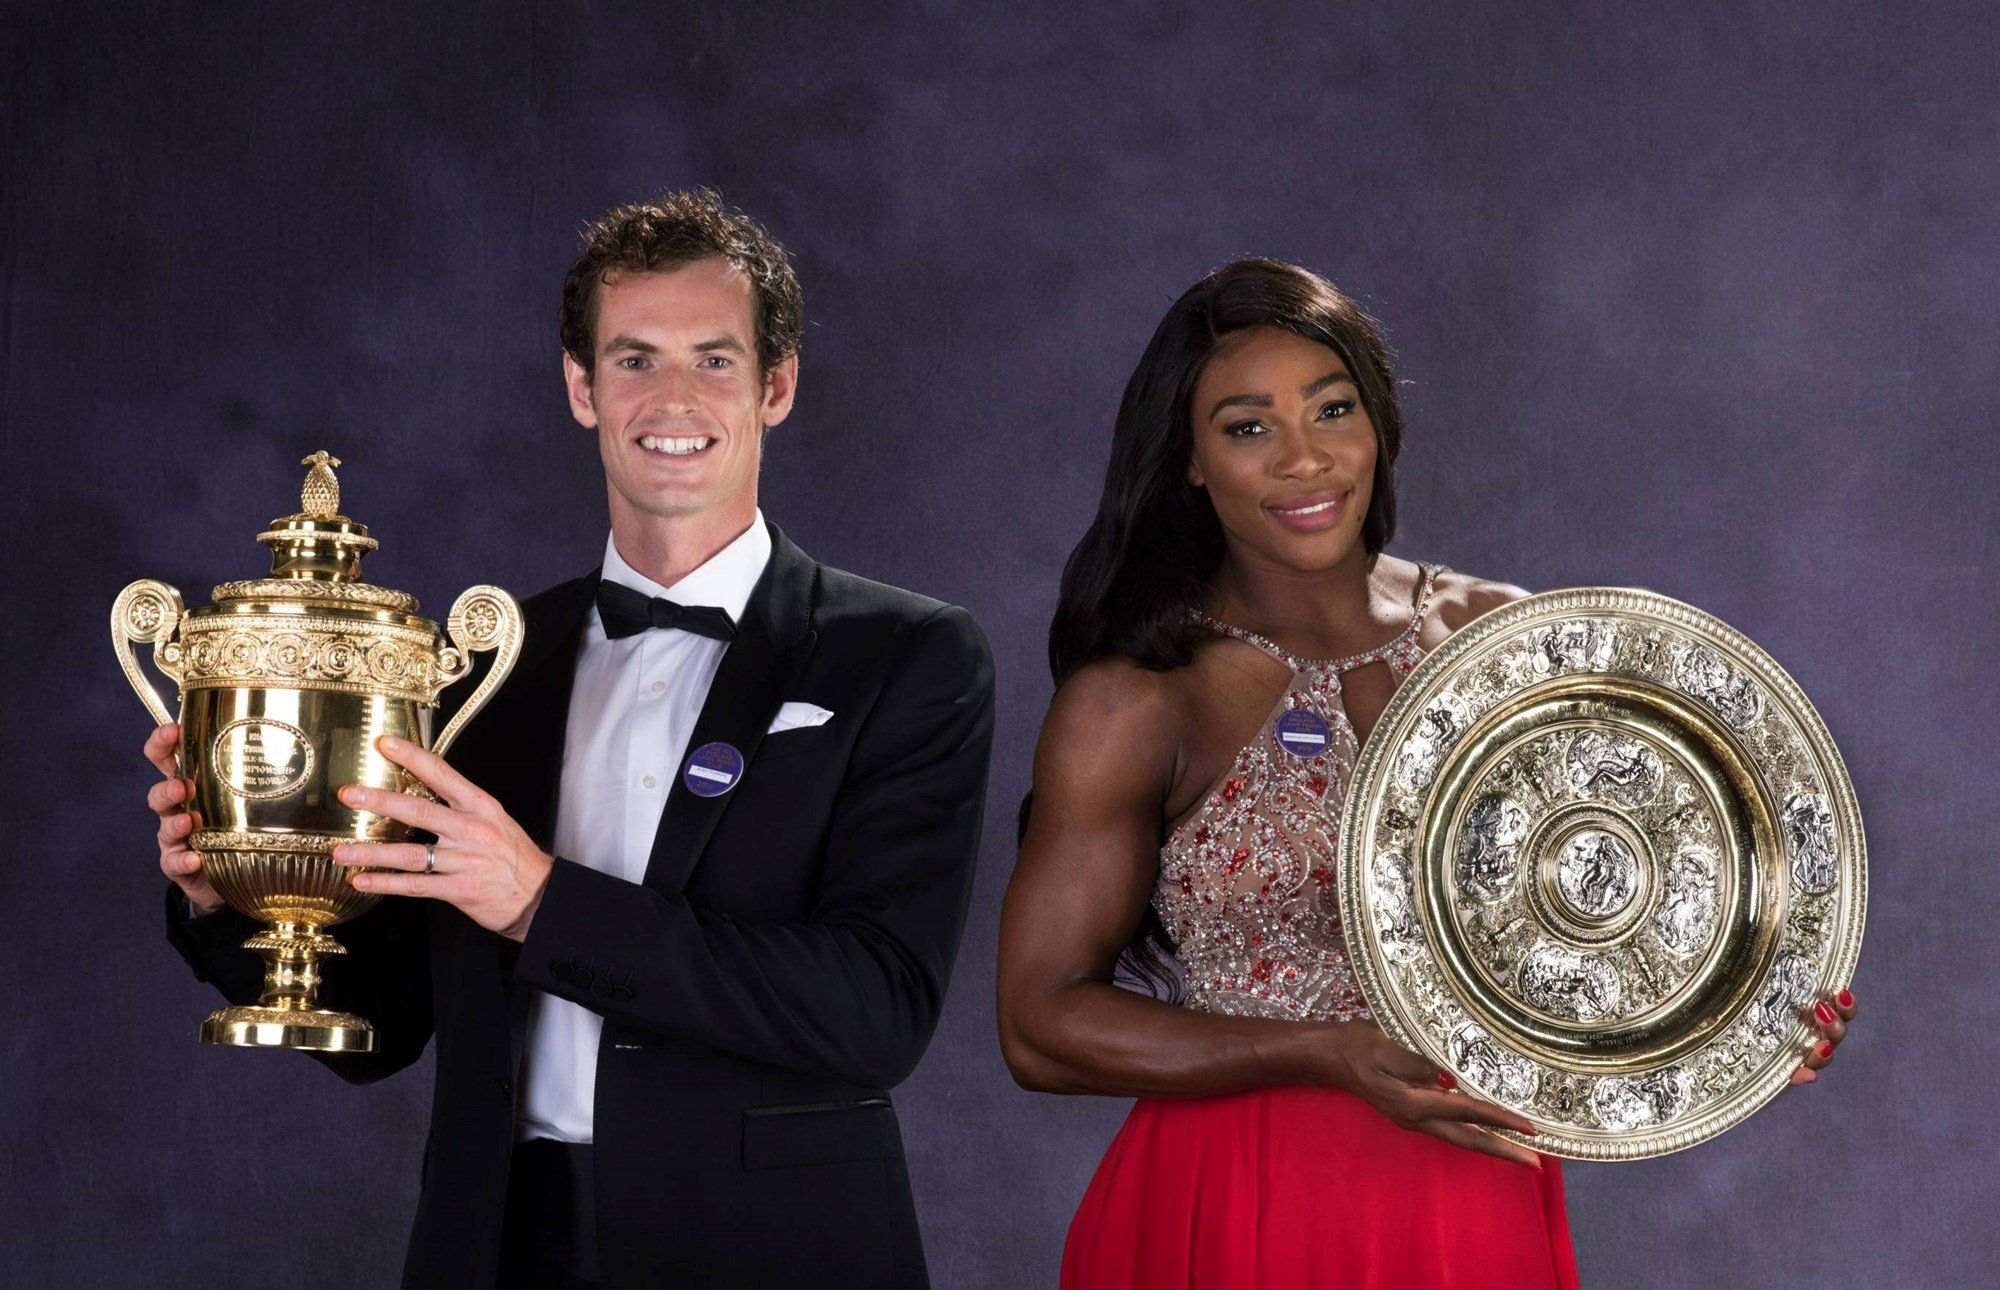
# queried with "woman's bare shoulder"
point(1461, 597)
point(1112, 702)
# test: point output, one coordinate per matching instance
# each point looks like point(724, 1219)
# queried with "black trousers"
point(548, 1238)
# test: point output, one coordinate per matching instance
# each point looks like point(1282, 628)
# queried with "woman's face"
point(1284, 447)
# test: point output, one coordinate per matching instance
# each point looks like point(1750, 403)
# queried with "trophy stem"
point(287, 1015)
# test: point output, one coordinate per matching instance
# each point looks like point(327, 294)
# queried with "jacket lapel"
point(514, 750)
point(537, 723)
point(757, 673)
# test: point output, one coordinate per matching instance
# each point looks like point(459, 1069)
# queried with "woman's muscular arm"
point(1086, 871)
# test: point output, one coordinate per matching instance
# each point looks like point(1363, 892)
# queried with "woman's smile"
point(1311, 512)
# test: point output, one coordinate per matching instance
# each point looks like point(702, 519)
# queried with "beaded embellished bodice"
point(1246, 889)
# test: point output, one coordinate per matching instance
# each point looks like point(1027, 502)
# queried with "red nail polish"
point(1825, 1051)
point(1447, 1081)
point(1846, 998)
point(1824, 1013)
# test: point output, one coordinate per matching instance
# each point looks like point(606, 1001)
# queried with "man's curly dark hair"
point(672, 230)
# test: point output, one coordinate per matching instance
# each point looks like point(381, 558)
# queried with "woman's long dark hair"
point(1149, 556)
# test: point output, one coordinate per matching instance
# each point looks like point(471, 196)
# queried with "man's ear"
point(576, 382)
point(781, 385)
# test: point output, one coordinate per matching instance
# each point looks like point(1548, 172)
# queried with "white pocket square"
point(794, 715)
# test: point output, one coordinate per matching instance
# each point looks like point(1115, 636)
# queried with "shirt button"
point(650, 782)
point(659, 687)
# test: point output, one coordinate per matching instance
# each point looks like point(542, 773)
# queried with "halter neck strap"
point(1401, 654)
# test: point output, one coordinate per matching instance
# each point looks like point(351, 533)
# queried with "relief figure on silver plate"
point(1624, 771)
point(1503, 1075)
point(1686, 917)
point(1564, 983)
point(1809, 837)
point(1596, 873)
point(1625, 1104)
point(1396, 927)
point(1489, 847)
point(1708, 676)
point(1438, 730)
point(1788, 989)
point(1578, 645)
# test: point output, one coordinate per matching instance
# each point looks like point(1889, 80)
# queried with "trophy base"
point(312, 1030)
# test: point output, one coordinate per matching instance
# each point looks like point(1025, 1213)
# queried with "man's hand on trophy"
point(168, 798)
point(1830, 1016)
point(482, 862)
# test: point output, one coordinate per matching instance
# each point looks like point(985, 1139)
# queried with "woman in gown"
point(1235, 573)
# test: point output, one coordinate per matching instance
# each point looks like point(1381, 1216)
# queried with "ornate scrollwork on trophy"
point(340, 655)
point(345, 593)
point(482, 619)
point(149, 611)
point(1599, 855)
point(285, 683)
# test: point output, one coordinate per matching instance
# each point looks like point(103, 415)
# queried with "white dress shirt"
point(631, 711)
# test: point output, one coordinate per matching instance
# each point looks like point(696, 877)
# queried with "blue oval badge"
point(713, 770)
point(1302, 733)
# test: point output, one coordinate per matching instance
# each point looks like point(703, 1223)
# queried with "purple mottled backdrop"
point(1699, 297)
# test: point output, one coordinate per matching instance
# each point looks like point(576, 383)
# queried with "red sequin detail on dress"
point(1246, 883)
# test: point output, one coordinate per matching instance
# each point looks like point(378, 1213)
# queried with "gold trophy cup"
point(285, 684)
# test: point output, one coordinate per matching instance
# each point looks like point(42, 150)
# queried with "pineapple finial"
point(321, 495)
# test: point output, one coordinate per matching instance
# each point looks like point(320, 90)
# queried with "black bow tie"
point(627, 613)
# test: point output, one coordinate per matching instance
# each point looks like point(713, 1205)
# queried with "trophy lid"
point(316, 553)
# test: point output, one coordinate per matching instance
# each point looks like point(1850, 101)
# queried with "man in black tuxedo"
point(701, 866)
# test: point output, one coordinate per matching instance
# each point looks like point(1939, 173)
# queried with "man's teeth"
point(1313, 510)
point(674, 447)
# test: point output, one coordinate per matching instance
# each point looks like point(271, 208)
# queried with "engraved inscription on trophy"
point(258, 758)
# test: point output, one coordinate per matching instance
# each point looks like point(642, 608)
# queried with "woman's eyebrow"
point(1240, 401)
point(1264, 400)
point(1331, 378)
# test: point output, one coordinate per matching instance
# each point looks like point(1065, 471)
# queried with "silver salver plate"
point(1599, 858)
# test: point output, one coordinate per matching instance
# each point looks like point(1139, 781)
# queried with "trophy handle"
point(482, 618)
point(148, 610)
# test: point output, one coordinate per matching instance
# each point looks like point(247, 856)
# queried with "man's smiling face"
point(674, 393)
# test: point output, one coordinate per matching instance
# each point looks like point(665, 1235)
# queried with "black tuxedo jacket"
point(780, 968)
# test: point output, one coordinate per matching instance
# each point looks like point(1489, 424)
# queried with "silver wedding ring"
point(430, 857)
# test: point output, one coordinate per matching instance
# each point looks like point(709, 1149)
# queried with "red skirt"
point(1309, 1187)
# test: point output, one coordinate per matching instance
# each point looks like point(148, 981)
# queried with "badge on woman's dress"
point(1302, 733)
